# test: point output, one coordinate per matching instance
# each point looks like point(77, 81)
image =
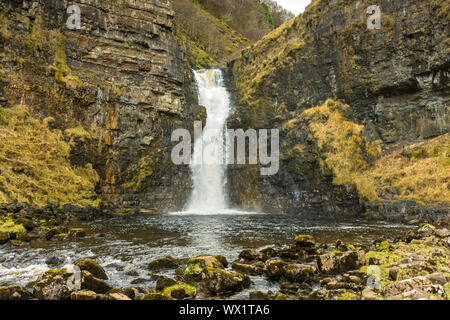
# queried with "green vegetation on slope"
point(297, 40)
point(421, 172)
point(216, 30)
point(35, 166)
point(252, 18)
point(208, 40)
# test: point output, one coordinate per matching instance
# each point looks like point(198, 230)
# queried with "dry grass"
point(422, 172)
point(342, 147)
point(35, 166)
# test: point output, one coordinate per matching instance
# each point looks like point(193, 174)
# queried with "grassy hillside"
point(34, 163)
point(419, 172)
point(208, 40)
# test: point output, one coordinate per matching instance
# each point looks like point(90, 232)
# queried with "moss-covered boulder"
point(27, 223)
point(247, 268)
point(281, 296)
point(222, 260)
point(85, 295)
point(277, 269)
point(336, 261)
point(117, 296)
point(91, 295)
point(156, 296)
point(180, 291)
point(9, 230)
point(304, 241)
point(259, 295)
point(298, 273)
point(328, 262)
point(14, 293)
point(219, 281)
point(193, 272)
point(4, 237)
point(75, 233)
point(134, 293)
point(89, 282)
point(53, 285)
point(207, 261)
point(166, 263)
point(92, 267)
point(269, 252)
point(274, 269)
point(196, 266)
point(351, 260)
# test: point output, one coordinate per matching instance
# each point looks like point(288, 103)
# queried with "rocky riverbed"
point(410, 265)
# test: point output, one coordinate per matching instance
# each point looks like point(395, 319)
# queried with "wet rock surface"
point(122, 80)
point(328, 52)
point(415, 266)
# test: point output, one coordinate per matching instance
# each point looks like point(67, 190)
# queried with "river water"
point(125, 245)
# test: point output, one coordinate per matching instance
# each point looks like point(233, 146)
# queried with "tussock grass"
point(421, 172)
point(35, 166)
point(343, 149)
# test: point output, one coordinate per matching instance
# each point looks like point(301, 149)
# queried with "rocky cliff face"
point(117, 87)
point(395, 80)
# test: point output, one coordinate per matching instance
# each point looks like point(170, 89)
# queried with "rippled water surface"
point(125, 245)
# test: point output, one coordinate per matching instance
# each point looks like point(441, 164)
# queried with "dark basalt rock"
point(219, 281)
point(89, 282)
point(54, 260)
point(14, 293)
point(370, 70)
point(252, 255)
point(163, 264)
point(134, 95)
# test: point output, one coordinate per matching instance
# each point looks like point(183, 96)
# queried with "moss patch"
point(77, 134)
point(63, 74)
point(10, 227)
point(188, 289)
point(343, 149)
point(148, 166)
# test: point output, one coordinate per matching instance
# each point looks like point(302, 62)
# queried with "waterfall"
point(208, 166)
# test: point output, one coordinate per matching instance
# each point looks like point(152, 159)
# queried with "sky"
point(295, 6)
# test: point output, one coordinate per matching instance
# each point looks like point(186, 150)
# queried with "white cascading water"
point(208, 166)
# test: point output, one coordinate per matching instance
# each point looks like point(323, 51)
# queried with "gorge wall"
point(395, 81)
point(116, 88)
point(363, 114)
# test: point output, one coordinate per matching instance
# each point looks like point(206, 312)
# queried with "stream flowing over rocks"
point(411, 265)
